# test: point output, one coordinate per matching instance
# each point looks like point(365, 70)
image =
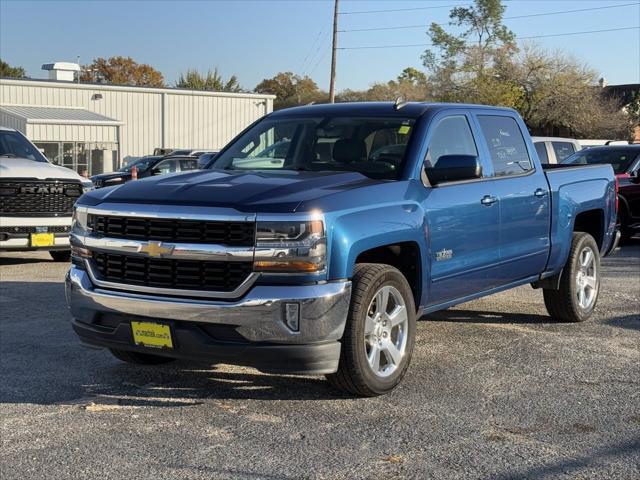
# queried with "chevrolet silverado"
point(320, 258)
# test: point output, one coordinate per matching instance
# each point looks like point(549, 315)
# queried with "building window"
point(83, 157)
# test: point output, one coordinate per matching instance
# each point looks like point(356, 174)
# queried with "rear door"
point(524, 198)
point(462, 217)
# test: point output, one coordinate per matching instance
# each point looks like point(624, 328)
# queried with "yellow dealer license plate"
point(149, 334)
point(42, 239)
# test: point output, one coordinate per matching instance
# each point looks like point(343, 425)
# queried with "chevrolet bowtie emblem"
point(156, 249)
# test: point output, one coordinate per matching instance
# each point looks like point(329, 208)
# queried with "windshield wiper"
point(9, 155)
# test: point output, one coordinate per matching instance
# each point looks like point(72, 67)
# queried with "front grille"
point(175, 274)
point(38, 198)
point(238, 234)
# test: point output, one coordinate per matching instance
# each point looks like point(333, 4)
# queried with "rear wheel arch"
point(591, 222)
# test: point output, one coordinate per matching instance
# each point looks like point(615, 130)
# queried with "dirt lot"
point(495, 390)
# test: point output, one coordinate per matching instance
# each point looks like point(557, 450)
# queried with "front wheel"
point(577, 296)
point(379, 333)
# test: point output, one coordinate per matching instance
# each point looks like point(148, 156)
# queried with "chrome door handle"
point(488, 200)
point(540, 193)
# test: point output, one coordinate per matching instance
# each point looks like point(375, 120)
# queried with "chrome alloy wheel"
point(385, 332)
point(586, 279)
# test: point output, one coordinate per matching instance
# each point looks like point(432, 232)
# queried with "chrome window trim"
point(180, 251)
point(125, 287)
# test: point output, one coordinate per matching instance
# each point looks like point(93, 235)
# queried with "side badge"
point(444, 254)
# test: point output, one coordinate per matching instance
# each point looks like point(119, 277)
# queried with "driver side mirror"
point(634, 177)
point(452, 168)
point(156, 171)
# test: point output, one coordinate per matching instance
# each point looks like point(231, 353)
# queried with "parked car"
point(36, 198)
point(555, 149)
point(625, 160)
point(590, 143)
point(146, 167)
point(322, 265)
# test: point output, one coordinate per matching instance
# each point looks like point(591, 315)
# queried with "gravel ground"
point(495, 390)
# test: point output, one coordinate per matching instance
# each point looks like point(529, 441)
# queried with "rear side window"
point(563, 150)
point(506, 145)
point(452, 136)
point(541, 148)
point(188, 165)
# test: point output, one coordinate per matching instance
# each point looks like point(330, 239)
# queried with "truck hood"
point(25, 168)
point(278, 192)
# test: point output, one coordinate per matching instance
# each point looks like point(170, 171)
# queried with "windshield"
point(619, 158)
point(142, 164)
point(14, 145)
point(373, 146)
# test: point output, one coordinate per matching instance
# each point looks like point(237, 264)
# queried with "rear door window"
point(541, 148)
point(506, 144)
point(188, 164)
point(563, 150)
point(166, 166)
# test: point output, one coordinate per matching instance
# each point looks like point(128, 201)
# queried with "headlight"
point(80, 217)
point(113, 180)
point(87, 186)
point(290, 247)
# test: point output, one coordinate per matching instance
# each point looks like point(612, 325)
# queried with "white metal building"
point(97, 127)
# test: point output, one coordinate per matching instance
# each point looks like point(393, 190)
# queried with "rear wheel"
point(60, 255)
point(379, 333)
point(140, 358)
point(577, 296)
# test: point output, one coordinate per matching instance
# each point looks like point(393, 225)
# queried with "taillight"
point(617, 189)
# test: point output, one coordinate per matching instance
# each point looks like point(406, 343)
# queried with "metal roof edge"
point(130, 88)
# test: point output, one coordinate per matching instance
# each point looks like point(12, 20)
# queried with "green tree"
point(213, 81)
point(7, 71)
point(291, 90)
point(121, 71)
point(461, 65)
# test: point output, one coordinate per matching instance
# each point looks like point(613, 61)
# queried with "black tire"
point(563, 304)
point(60, 255)
point(355, 375)
point(138, 358)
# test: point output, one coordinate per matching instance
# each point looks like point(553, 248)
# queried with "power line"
point(518, 38)
point(311, 51)
point(405, 9)
point(399, 27)
point(320, 45)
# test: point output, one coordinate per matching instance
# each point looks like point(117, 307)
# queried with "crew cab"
point(320, 262)
point(36, 198)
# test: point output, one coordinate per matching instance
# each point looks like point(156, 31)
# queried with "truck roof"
point(410, 109)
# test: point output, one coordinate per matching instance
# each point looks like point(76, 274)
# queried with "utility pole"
point(332, 85)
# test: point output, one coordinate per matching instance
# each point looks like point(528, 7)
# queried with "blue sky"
point(255, 39)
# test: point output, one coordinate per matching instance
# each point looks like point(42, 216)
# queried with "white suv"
point(36, 198)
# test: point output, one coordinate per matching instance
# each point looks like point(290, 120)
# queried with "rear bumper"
point(614, 243)
point(250, 331)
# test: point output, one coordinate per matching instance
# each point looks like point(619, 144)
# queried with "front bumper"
point(249, 331)
point(15, 232)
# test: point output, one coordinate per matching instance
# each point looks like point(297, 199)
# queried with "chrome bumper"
point(258, 316)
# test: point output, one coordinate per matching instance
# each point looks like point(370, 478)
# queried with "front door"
point(462, 220)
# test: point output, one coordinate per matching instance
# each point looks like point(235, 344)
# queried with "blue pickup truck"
point(318, 236)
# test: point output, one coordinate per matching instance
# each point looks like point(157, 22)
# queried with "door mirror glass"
point(452, 168)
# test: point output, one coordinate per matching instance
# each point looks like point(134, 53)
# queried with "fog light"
point(292, 316)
